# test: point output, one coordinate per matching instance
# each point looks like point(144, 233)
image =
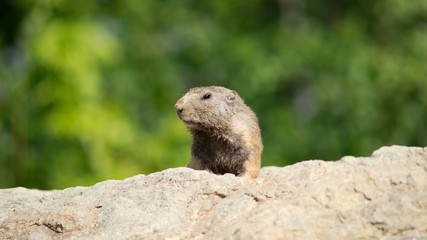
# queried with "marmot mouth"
point(187, 120)
point(191, 124)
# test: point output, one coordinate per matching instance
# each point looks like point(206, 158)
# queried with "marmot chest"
point(220, 156)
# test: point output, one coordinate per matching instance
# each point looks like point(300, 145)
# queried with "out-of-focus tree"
point(87, 88)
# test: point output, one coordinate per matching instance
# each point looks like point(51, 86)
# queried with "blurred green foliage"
point(87, 88)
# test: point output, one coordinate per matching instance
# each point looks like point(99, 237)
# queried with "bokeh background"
point(87, 88)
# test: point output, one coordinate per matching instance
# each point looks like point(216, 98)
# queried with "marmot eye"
point(206, 96)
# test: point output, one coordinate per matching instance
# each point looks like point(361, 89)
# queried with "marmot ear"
point(232, 96)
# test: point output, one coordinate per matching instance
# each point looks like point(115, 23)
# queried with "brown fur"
point(226, 135)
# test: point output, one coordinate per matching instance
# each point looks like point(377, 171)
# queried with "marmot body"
point(226, 135)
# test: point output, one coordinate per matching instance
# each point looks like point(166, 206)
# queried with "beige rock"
point(379, 197)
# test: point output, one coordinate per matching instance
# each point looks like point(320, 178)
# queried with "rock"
point(382, 196)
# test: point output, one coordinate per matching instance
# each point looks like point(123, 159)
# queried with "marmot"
point(225, 131)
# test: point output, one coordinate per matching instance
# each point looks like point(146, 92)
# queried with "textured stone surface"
point(382, 196)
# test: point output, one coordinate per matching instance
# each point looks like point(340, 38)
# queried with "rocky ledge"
point(382, 196)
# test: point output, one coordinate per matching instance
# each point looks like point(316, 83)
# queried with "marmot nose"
point(179, 108)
